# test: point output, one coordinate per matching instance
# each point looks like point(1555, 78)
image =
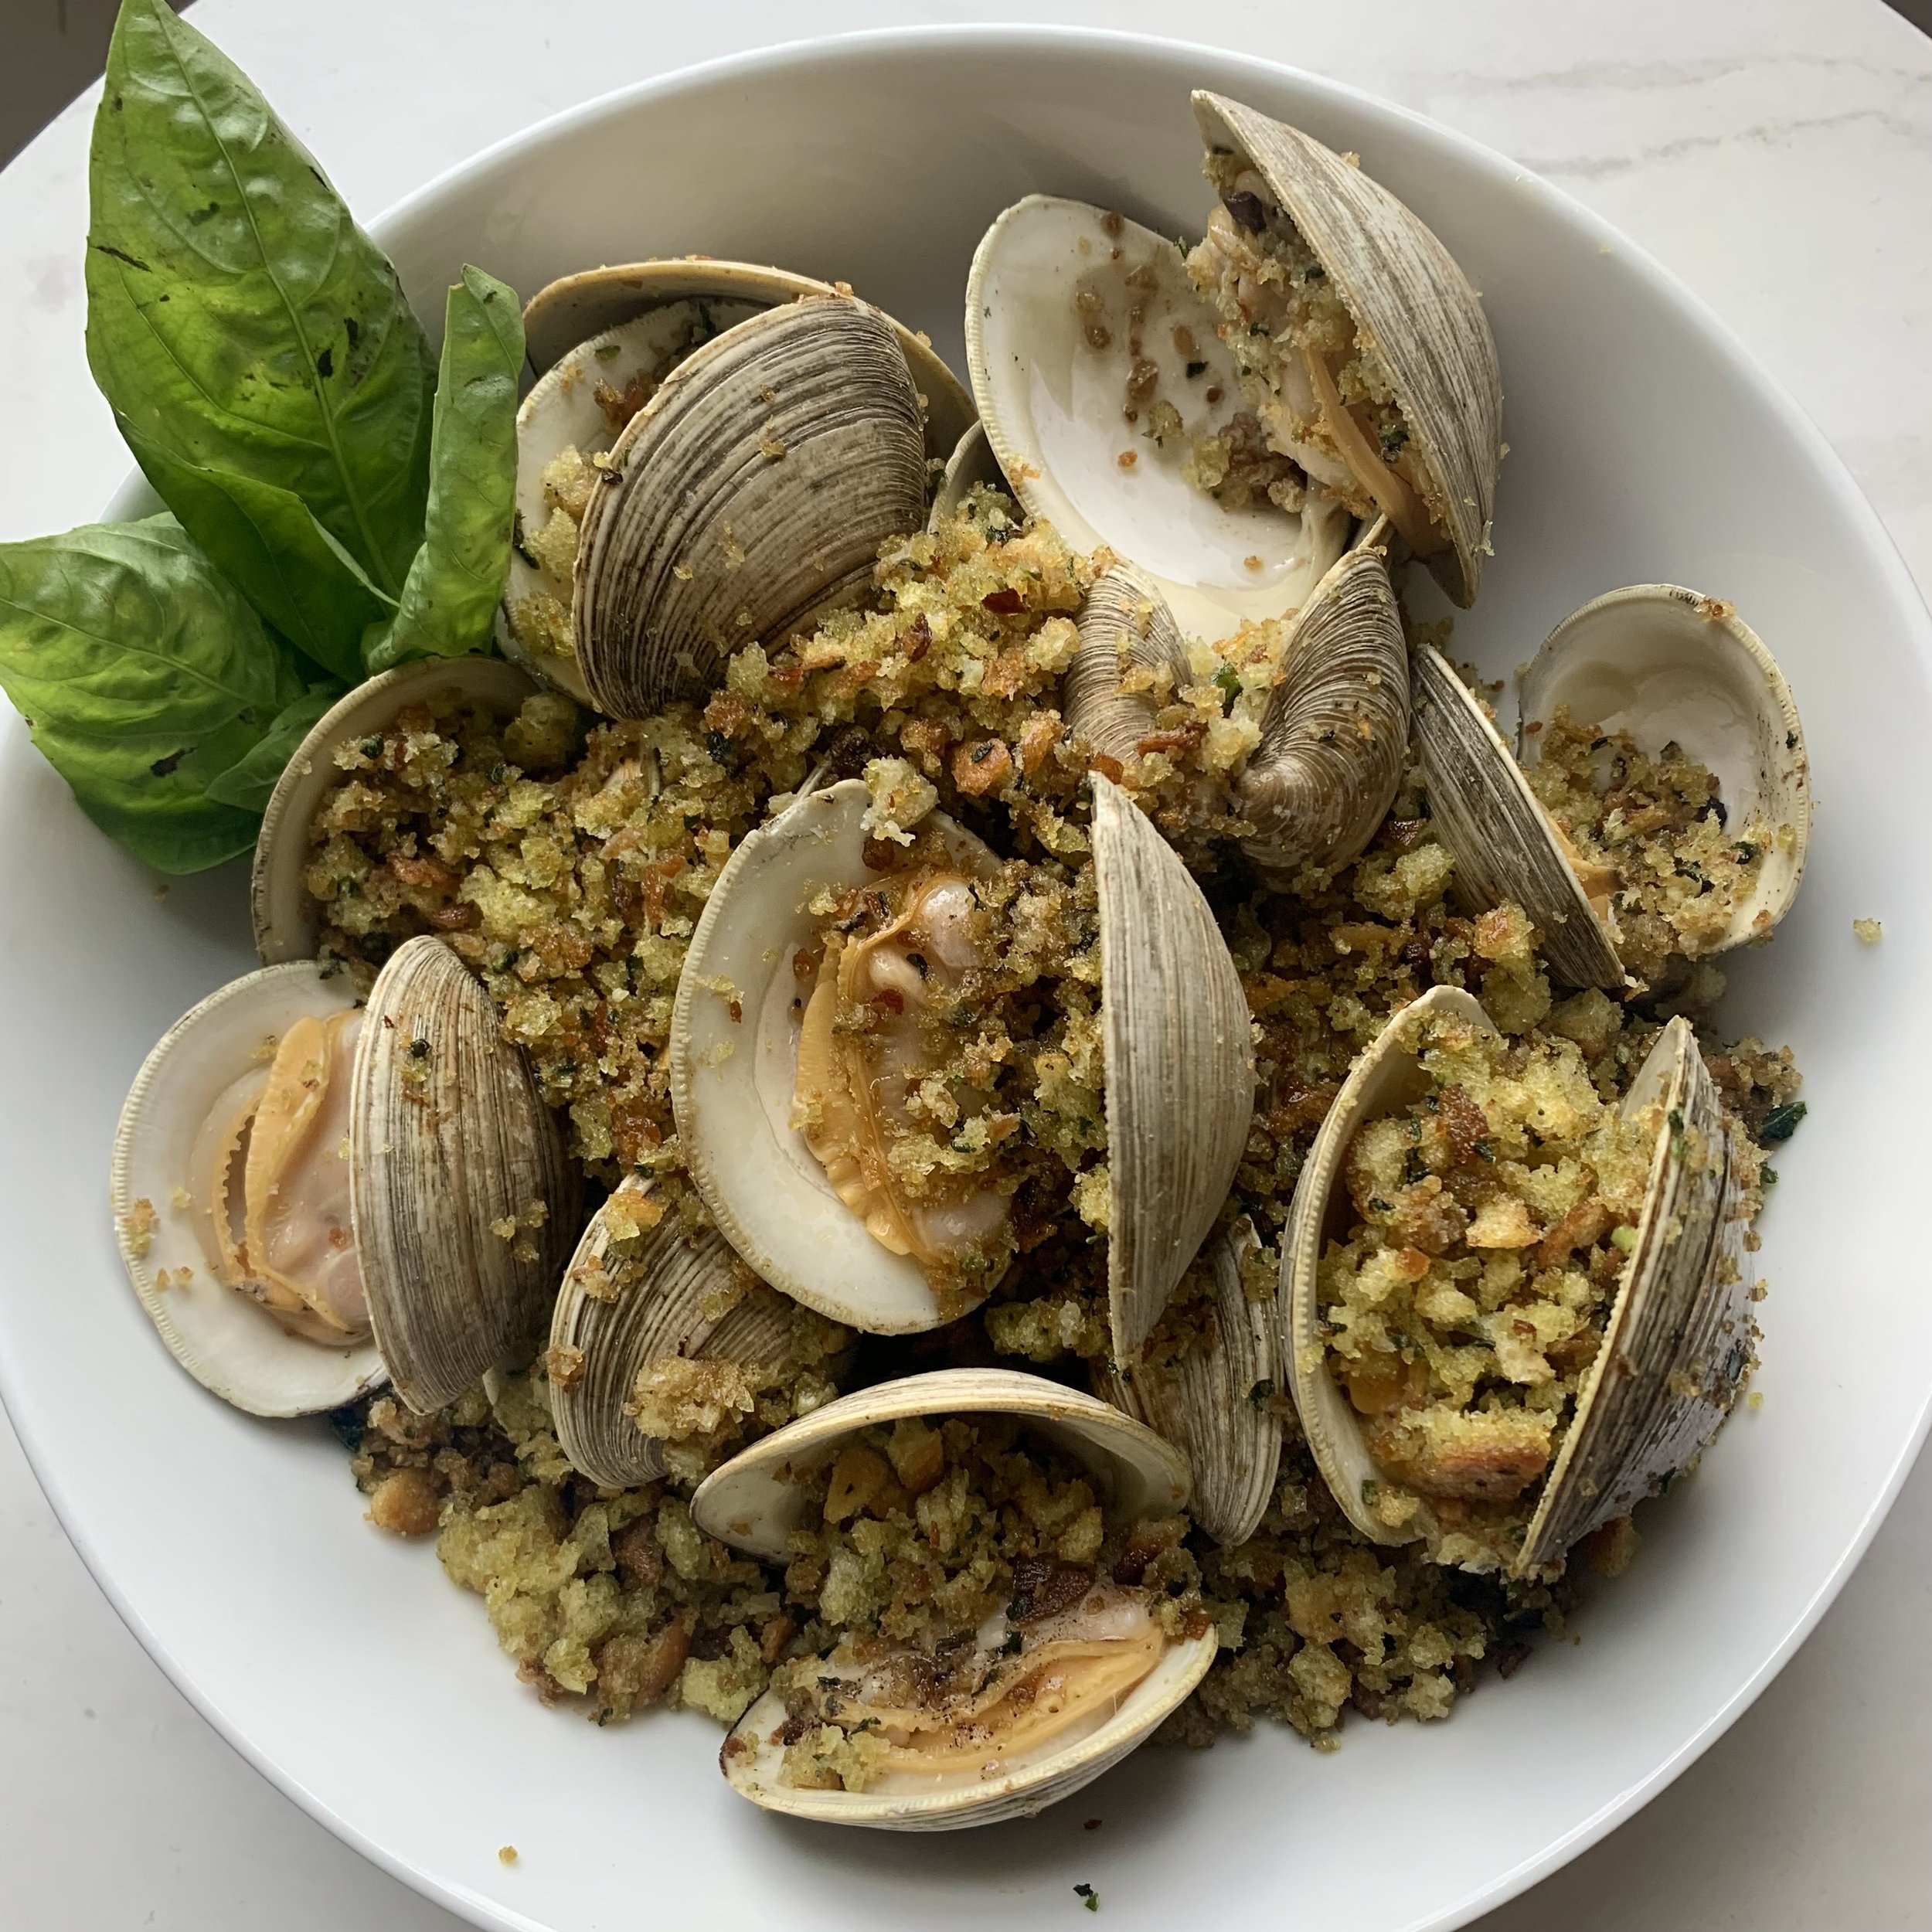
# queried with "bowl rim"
point(133, 497)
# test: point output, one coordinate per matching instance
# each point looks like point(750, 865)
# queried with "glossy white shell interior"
point(1052, 404)
point(218, 1334)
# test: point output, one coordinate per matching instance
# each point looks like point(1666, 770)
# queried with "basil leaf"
point(255, 343)
point(143, 676)
point(250, 781)
point(271, 548)
point(450, 599)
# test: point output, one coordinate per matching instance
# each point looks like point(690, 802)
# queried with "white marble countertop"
point(1776, 154)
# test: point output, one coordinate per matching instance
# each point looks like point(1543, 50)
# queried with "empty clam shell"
point(1335, 733)
point(1413, 306)
point(1669, 665)
point(752, 1503)
point(1506, 846)
point(465, 1202)
point(1179, 1058)
point(748, 496)
point(1679, 1338)
point(1212, 1403)
point(575, 308)
point(232, 1344)
point(629, 1298)
point(286, 920)
point(1079, 325)
point(733, 1062)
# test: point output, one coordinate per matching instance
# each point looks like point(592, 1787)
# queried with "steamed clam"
point(1653, 672)
point(1655, 1194)
point(958, 1727)
point(311, 1192)
point(605, 342)
point(1361, 345)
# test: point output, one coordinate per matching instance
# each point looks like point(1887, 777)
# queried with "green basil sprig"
point(145, 679)
point(449, 599)
point(255, 343)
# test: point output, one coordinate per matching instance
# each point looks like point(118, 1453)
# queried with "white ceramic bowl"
point(1644, 446)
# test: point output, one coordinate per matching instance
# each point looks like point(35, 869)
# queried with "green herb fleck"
point(1781, 1123)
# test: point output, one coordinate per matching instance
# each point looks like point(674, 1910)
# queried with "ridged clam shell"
point(1179, 1064)
point(750, 1504)
point(1336, 732)
point(575, 308)
point(229, 1344)
point(1212, 1404)
point(1665, 664)
point(1125, 625)
point(1681, 1339)
point(1678, 1338)
point(750, 494)
point(287, 922)
point(1504, 844)
point(451, 1137)
point(1409, 298)
point(1052, 389)
point(661, 1288)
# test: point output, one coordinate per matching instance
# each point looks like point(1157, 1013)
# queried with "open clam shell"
point(1066, 306)
point(751, 1503)
point(286, 920)
point(1506, 846)
point(579, 402)
point(1179, 1058)
point(748, 496)
point(1335, 733)
point(232, 1344)
point(1213, 1402)
point(971, 464)
point(630, 1298)
point(1412, 303)
point(1679, 1338)
point(576, 308)
point(733, 1062)
point(465, 1203)
point(1666, 664)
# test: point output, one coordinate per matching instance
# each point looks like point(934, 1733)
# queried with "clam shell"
point(451, 1137)
point(1212, 1405)
point(1386, 1077)
point(971, 463)
point(229, 1343)
point(1408, 297)
point(1020, 1793)
point(575, 308)
point(1051, 394)
point(563, 411)
point(1681, 1339)
point(750, 1504)
point(1678, 1340)
point(1336, 732)
point(1179, 1060)
point(1125, 625)
point(1504, 844)
point(1663, 664)
point(749, 495)
point(731, 1080)
point(661, 1289)
point(287, 921)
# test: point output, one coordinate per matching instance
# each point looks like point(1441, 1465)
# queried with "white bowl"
point(1644, 447)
